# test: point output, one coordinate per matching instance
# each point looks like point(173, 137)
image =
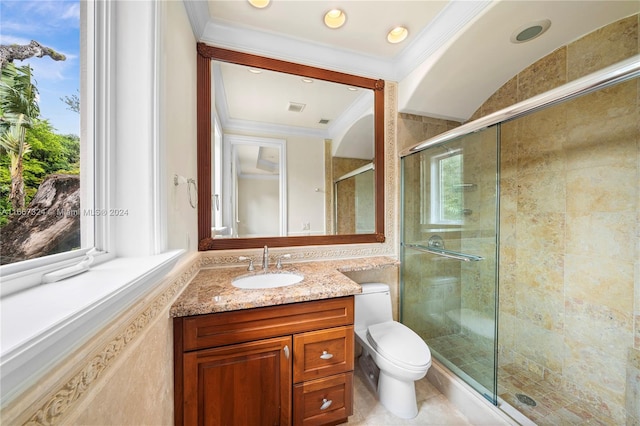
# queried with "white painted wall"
point(259, 207)
point(179, 123)
point(305, 163)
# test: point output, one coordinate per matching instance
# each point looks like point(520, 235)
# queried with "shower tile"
point(540, 308)
point(546, 74)
point(541, 270)
point(542, 192)
point(594, 327)
point(601, 281)
point(595, 377)
point(603, 47)
point(632, 403)
point(506, 96)
point(601, 234)
point(540, 231)
point(610, 188)
point(540, 345)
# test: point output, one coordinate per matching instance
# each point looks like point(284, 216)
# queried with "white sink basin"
point(278, 279)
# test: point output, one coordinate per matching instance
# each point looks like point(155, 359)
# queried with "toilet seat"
point(400, 345)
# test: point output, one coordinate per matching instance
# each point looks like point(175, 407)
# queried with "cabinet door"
point(243, 384)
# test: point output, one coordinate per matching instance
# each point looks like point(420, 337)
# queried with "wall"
point(305, 164)
point(178, 106)
point(570, 209)
point(258, 195)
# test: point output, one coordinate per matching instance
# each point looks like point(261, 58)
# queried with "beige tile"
point(610, 188)
point(605, 234)
point(603, 47)
point(546, 74)
point(600, 281)
point(433, 407)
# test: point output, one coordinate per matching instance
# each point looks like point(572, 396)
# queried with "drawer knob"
point(326, 355)
point(326, 403)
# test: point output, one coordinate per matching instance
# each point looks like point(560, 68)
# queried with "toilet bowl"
point(401, 356)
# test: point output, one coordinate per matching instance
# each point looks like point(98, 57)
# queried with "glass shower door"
point(449, 254)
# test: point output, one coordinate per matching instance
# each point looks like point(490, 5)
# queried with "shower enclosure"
point(355, 201)
point(520, 251)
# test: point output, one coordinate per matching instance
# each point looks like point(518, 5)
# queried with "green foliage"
point(50, 153)
point(452, 195)
point(18, 96)
point(42, 151)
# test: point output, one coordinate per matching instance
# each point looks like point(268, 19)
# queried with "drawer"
point(322, 353)
point(323, 401)
point(226, 328)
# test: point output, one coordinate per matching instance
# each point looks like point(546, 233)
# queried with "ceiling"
point(457, 54)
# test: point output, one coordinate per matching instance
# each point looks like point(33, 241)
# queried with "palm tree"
point(13, 142)
point(18, 111)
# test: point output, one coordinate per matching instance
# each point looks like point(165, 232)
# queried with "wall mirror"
point(288, 154)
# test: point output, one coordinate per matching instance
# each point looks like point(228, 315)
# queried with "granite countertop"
point(211, 289)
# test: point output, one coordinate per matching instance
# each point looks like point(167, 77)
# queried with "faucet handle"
point(243, 258)
point(284, 256)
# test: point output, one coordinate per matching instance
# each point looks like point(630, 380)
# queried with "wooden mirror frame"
point(208, 53)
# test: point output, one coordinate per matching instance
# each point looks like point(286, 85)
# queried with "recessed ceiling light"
point(260, 4)
point(335, 18)
point(397, 35)
point(530, 31)
point(353, 89)
point(255, 71)
point(307, 80)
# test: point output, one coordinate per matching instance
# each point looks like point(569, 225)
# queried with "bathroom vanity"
point(267, 356)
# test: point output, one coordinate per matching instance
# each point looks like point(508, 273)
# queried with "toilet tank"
point(373, 306)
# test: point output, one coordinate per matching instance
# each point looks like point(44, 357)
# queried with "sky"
point(54, 24)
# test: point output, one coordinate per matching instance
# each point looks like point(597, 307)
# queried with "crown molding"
point(451, 20)
point(198, 14)
point(285, 48)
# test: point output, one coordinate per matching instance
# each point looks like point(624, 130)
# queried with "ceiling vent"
point(296, 107)
point(323, 121)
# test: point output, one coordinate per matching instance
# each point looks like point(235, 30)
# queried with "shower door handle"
point(446, 253)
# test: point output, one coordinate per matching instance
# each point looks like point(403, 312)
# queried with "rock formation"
point(49, 225)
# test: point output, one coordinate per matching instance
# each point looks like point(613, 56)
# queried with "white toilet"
point(401, 356)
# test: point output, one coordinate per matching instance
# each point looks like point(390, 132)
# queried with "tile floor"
point(433, 407)
point(553, 406)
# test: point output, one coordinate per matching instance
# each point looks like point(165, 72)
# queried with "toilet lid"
point(400, 344)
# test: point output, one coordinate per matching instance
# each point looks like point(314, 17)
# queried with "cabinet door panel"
point(322, 353)
point(248, 383)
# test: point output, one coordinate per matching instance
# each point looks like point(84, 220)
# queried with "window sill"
point(42, 324)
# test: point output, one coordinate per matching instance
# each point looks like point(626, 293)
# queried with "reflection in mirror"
point(354, 205)
point(309, 116)
point(325, 125)
point(254, 188)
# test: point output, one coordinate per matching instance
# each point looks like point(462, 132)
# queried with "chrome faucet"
point(265, 258)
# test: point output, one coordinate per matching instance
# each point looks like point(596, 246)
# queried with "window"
point(446, 185)
point(122, 171)
point(40, 130)
point(58, 153)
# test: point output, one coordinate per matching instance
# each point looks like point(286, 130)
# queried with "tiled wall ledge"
point(78, 389)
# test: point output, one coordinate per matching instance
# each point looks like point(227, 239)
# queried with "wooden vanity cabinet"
point(276, 365)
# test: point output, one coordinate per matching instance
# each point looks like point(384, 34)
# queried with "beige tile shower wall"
point(346, 213)
point(570, 227)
